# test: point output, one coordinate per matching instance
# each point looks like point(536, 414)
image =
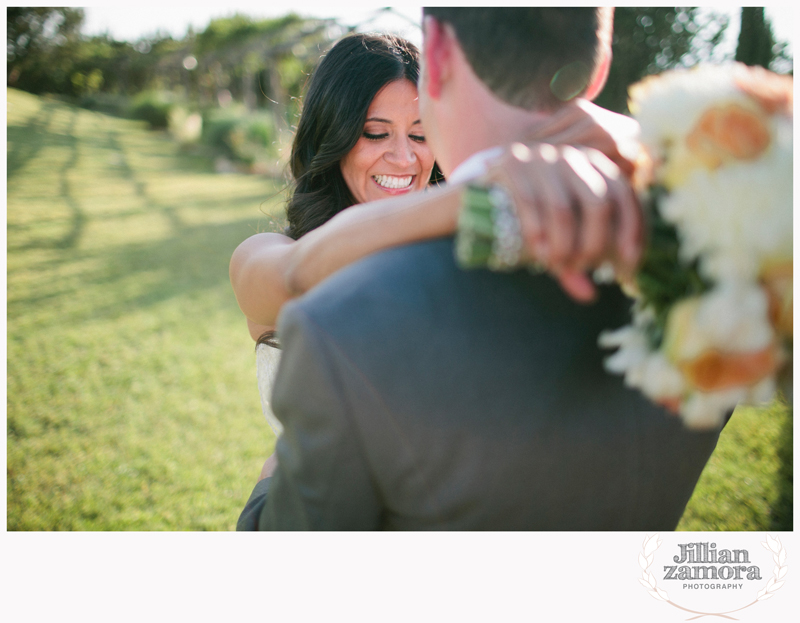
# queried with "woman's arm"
point(575, 211)
point(369, 227)
point(257, 330)
point(559, 207)
point(257, 275)
point(266, 270)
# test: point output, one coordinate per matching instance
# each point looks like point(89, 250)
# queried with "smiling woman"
point(359, 139)
point(391, 157)
point(362, 93)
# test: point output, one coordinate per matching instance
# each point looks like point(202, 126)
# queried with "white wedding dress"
point(267, 359)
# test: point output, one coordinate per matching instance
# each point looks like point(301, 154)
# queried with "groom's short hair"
point(531, 57)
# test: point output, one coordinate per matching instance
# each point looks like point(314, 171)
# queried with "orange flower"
point(713, 370)
point(728, 132)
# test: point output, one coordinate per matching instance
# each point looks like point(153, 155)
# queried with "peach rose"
point(729, 132)
point(713, 370)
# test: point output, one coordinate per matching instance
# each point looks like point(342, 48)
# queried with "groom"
point(416, 395)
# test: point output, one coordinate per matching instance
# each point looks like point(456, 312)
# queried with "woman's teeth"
point(391, 181)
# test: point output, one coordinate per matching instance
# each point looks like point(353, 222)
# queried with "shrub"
point(117, 105)
point(153, 107)
point(240, 135)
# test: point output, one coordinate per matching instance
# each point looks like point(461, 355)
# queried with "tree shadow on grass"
point(25, 143)
point(192, 259)
point(195, 259)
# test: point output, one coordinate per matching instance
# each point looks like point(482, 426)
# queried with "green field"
point(132, 400)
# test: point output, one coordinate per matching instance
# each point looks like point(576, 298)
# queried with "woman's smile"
point(394, 182)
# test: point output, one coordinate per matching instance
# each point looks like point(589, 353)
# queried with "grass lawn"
point(132, 400)
point(747, 484)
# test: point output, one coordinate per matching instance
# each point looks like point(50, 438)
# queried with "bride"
point(360, 145)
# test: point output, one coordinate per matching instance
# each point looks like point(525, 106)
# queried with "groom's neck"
point(503, 124)
point(477, 119)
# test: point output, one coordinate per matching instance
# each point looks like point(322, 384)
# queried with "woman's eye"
point(374, 137)
point(417, 138)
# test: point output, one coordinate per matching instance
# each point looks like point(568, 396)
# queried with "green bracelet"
point(489, 234)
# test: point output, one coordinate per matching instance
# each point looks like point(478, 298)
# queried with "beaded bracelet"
point(489, 234)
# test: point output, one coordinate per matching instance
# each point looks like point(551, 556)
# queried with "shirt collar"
point(474, 166)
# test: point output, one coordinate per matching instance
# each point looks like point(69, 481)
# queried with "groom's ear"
point(605, 35)
point(436, 53)
point(600, 76)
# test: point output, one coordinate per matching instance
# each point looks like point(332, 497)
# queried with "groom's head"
point(533, 59)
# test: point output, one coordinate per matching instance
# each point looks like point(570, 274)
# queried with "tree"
point(757, 45)
point(649, 40)
point(755, 38)
point(259, 62)
point(40, 42)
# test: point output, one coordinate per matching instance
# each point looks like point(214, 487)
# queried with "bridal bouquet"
point(712, 321)
point(712, 313)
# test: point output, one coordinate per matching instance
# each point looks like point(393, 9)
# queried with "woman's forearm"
point(558, 201)
point(367, 228)
point(267, 270)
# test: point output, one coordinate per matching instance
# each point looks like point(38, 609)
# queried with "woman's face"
point(391, 157)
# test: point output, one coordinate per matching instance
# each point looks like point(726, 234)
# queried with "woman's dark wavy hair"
point(335, 108)
point(334, 111)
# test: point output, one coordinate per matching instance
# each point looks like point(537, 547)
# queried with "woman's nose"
point(401, 152)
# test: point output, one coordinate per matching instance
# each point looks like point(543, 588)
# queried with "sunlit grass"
point(132, 400)
point(747, 484)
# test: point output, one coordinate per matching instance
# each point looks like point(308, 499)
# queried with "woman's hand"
point(584, 124)
point(576, 210)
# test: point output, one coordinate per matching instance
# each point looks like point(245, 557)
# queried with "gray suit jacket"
point(416, 395)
